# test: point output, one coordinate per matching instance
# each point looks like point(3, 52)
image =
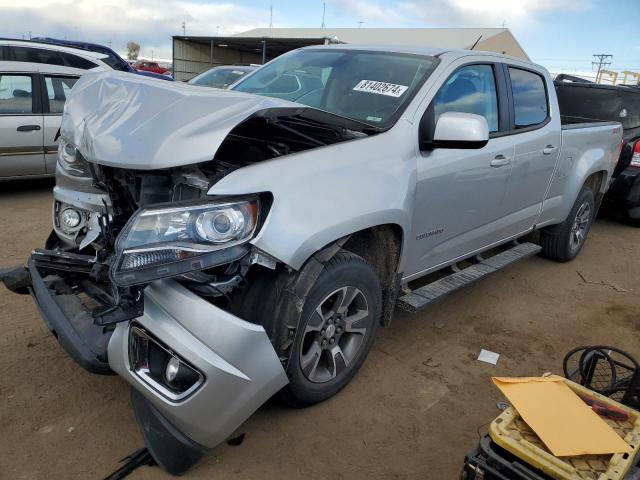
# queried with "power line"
point(600, 60)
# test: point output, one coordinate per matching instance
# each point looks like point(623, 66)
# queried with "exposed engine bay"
point(92, 237)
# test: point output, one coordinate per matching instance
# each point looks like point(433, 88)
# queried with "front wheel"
point(563, 242)
point(340, 319)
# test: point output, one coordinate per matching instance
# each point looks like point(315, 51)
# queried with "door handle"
point(549, 149)
point(28, 128)
point(500, 161)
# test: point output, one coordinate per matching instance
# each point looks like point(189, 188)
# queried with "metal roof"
point(434, 37)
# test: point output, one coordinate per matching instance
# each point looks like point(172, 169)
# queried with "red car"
point(151, 67)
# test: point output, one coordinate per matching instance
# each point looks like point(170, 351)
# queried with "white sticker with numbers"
point(381, 88)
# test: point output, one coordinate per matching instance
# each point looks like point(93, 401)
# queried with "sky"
point(562, 35)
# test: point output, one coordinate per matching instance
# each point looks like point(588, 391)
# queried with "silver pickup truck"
point(216, 247)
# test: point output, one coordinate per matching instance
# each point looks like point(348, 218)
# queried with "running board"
point(424, 296)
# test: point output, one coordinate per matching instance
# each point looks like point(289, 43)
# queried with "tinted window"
point(41, 55)
point(35, 55)
point(75, 61)
point(529, 97)
point(57, 90)
point(368, 86)
point(471, 89)
point(16, 94)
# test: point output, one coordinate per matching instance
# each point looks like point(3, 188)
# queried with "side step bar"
point(432, 292)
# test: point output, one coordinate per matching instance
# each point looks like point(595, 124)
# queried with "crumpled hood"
point(128, 121)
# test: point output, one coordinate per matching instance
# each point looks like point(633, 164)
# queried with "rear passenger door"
point(21, 126)
point(56, 89)
point(536, 133)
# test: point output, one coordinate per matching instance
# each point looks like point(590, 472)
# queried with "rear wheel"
point(340, 319)
point(563, 242)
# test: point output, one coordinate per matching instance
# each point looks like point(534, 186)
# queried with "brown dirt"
point(412, 412)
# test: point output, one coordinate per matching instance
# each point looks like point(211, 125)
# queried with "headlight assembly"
point(70, 159)
point(166, 241)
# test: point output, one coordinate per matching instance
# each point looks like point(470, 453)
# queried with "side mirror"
point(460, 130)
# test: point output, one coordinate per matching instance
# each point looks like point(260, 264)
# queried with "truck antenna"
point(476, 43)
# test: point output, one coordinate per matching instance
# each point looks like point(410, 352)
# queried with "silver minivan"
point(34, 83)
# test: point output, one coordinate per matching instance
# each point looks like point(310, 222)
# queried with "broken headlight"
point(70, 159)
point(164, 241)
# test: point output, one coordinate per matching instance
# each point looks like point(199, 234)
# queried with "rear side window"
point(35, 55)
point(49, 57)
point(471, 89)
point(75, 61)
point(529, 98)
point(16, 94)
point(57, 90)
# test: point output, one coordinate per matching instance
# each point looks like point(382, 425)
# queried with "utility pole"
point(324, 10)
point(270, 16)
point(600, 60)
point(184, 29)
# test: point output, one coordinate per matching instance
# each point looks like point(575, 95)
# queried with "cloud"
point(148, 22)
point(458, 13)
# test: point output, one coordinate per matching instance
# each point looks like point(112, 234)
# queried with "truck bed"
point(569, 123)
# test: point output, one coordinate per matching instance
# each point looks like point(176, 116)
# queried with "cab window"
point(529, 98)
point(471, 89)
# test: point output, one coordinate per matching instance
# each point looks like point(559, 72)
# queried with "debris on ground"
point(488, 356)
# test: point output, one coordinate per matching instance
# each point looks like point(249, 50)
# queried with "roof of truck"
point(413, 49)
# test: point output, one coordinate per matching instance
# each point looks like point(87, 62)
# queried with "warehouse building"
point(193, 55)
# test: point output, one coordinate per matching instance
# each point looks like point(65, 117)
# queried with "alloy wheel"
point(580, 226)
point(334, 334)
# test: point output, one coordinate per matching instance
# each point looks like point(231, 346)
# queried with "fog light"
point(171, 372)
point(159, 367)
point(70, 218)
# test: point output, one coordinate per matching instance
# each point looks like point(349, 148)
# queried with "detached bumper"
point(66, 316)
point(239, 367)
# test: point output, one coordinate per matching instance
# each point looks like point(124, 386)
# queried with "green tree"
point(133, 49)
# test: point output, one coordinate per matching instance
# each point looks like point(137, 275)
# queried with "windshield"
point(218, 77)
point(371, 87)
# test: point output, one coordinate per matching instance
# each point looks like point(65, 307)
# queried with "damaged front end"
point(143, 268)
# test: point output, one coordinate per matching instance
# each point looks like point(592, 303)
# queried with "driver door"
point(460, 199)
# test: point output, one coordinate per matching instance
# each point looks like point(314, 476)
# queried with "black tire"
point(633, 222)
point(346, 274)
point(561, 242)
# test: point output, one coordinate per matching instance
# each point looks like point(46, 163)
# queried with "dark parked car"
point(583, 99)
point(223, 76)
point(114, 60)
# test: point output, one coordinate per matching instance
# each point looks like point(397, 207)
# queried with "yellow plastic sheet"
point(565, 424)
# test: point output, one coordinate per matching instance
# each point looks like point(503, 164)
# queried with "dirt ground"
point(412, 412)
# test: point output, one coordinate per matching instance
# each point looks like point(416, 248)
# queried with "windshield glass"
point(218, 77)
point(372, 87)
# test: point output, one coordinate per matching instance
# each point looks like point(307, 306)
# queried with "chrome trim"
point(144, 374)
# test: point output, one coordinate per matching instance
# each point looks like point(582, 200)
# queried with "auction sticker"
point(381, 88)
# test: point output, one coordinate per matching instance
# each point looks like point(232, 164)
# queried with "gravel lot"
point(412, 412)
